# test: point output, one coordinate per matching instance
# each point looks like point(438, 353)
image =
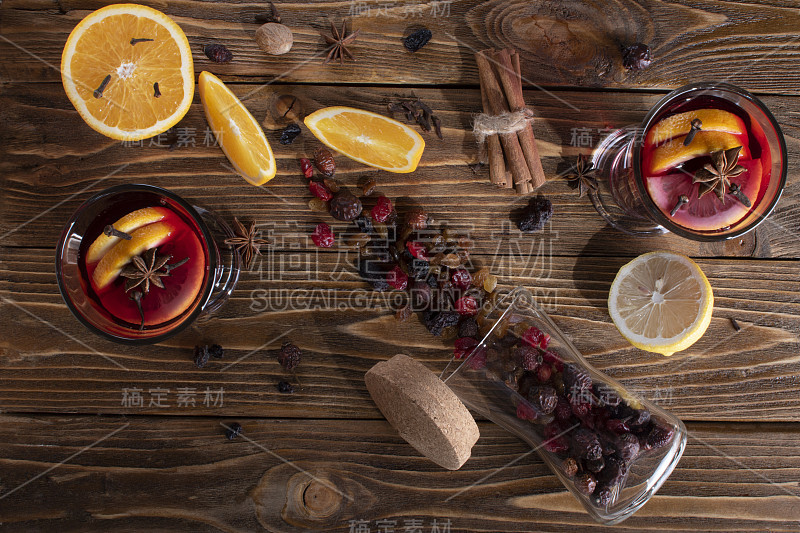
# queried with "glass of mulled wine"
point(708, 163)
point(136, 264)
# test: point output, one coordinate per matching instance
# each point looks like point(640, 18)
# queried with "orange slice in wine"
point(126, 224)
point(681, 124)
point(122, 253)
point(674, 153)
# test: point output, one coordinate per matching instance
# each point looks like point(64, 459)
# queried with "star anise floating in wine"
point(246, 242)
point(339, 41)
point(716, 176)
point(582, 178)
point(148, 268)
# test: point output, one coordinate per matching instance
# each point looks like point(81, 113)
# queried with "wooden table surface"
point(98, 436)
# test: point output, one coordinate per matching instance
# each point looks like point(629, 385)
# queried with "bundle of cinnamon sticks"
point(513, 157)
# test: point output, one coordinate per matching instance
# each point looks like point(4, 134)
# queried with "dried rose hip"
point(557, 445)
point(218, 53)
point(461, 278)
point(289, 356)
point(382, 209)
point(467, 306)
point(306, 167)
point(617, 426)
point(525, 412)
point(585, 483)
point(535, 337)
point(397, 279)
point(320, 190)
point(544, 373)
point(417, 249)
point(323, 160)
point(464, 346)
point(323, 235)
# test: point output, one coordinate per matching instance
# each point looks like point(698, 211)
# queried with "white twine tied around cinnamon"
point(485, 125)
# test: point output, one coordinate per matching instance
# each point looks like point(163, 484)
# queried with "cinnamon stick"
point(497, 165)
point(515, 158)
point(508, 71)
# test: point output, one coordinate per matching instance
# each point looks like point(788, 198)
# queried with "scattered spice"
point(98, 93)
point(156, 90)
point(339, 42)
point(735, 324)
point(111, 231)
point(135, 40)
point(233, 431)
point(697, 125)
point(417, 40)
point(682, 200)
point(636, 57)
point(323, 160)
point(289, 134)
point(536, 215)
point(583, 178)
point(417, 111)
point(716, 176)
point(218, 53)
point(148, 268)
point(274, 38)
point(289, 356)
point(246, 242)
point(136, 296)
point(285, 387)
point(272, 16)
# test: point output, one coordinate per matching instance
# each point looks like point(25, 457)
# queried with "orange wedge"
point(126, 224)
point(122, 253)
point(674, 152)
point(368, 138)
point(237, 132)
point(681, 124)
point(110, 77)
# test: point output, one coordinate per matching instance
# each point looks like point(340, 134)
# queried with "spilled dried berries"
point(306, 167)
point(217, 53)
point(289, 356)
point(323, 160)
point(320, 190)
point(345, 206)
point(323, 235)
point(290, 134)
point(382, 209)
point(233, 431)
point(467, 306)
point(417, 40)
point(397, 279)
point(536, 215)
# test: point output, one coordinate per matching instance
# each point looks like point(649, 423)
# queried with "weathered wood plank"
point(52, 162)
point(289, 475)
point(51, 363)
point(561, 43)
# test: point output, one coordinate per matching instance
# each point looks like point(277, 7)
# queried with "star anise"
point(339, 41)
point(582, 178)
point(246, 242)
point(145, 269)
point(716, 177)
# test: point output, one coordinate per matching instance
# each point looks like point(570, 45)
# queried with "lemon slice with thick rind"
point(661, 302)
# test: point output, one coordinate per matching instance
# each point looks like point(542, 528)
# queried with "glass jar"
point(610, 448)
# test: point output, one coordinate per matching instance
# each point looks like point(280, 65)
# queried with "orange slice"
point(142, 239)
point(126, 224)
point(674, 152)
point(99, 53)
point(237, 132)
point(681, 124)
point(368, 138)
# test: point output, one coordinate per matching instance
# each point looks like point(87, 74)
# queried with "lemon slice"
point(128, 223)
point(237, 132)
point(111, 64)
point(661, 302)
point(122, 253)
point(368, 138)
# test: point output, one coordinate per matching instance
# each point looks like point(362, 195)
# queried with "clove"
point(135, 40)
point(156, 90)
point(737, 193)
point(111, 231)
point(697, 125)
point(99, 91)
point(136, 296)
point(682, 200)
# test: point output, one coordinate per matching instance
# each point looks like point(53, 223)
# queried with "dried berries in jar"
point(397, 279)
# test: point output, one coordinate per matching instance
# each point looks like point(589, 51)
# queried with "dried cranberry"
point(417, 249)
point(563, 410)
point(617, 426)
point(323, 235)
point(478, 360)
point(531, 359)
point(397, 279)
point(579, 409)
point(544, 373)
point(218, 53)
point(382, 209)
point(320, 190)
point(535, 337)
point(525, 412)
point(464, 347)
point(551, 358)
point(307, 167)
point(467, 306)
point(556, 445)
point(461, 278)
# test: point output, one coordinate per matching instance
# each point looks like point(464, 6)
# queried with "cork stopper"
point(426, 413)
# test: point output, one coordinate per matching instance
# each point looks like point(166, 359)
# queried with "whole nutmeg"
point(274, 38)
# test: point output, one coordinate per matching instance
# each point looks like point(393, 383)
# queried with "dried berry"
point(627, 446)
point(421, 296)
point(603, 497)
point(233, 431)
point(374, 270)
point(364, 224)
point(382, 209)
point(323, 235)
point(397, 279)
point(417, 250)
point(535, 215)
point(529, 357)
point(218, 53)
point(595, 465)
point(563, 410)
point(345, 206)
point(290, 134)
point(614, 471)
point(639, 418)
point(570, 467)
point(535, 337)
point(636, 57)
point(436, 321)
point(586, 444)
point(615, 425)
point(216, 351)
point(285, 387)
point(417, 219)
point(201, 355)
point(585, 483)
point(464, 347)
point(525, 412)
point(417, 40)
point(659, 437)
point(576, 380)
point(556, 445)
point(461, 278)
point(490, 283)
point(323, 160)
point(544, 398)
point(551, 358)
point(468, 327)
point(467, 306)
point(320, 190)
point(289, 356)
point(332, 184)
point(306, 167)
point(318, 205)
point(368, 187)
point(544, 373)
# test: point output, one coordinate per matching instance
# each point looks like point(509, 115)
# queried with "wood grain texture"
point(50, 362)
point(561, 43)
point(288, 475)
point(52, 162)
